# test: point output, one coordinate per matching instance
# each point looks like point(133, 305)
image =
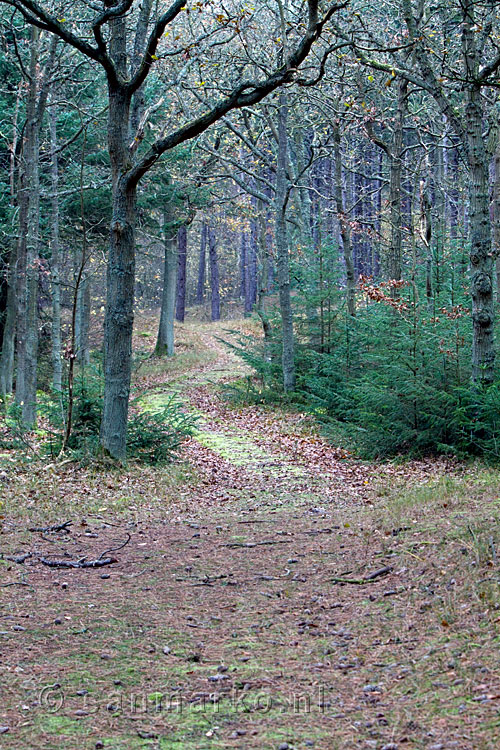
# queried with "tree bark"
point(29, 212)
point(282, 253)
point(141, 31)
point(17, 252)
point(28, 270)
point(345, 230)
point(299, 145)
point(439, 216)
point(165, 340)
point(200, 288)
point(263, 269)
point(394, 259)
point(120, 277)
point(248, 252)
point(243, 264)
point(252, 265)
point(54, 256)
point(496, 217)
point(180, 310)
point(214, 275)
point(481, 257)
point(11, 310)
point(82, 322)
point(118, 323)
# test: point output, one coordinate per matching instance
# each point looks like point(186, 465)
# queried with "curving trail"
point(226, 622)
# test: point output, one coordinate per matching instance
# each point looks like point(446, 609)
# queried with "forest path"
point(278, 451)
point(281, 595)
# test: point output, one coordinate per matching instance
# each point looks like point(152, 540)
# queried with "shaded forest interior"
point(249, 384)
point(348, 197)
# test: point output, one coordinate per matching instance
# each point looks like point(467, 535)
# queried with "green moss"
point(54, 724)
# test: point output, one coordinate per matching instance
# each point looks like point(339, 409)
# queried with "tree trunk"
point(394, 259)
point(249, 274)
point(243, 264)
point(439, 216)
point(481, 258)
point(200, 288)
point(214, 275)
point(141, 30)
point(32, 280)
point(252, 264)
point(120, 277)
point(496, 218)
point(262, 269)
point(180, 310)
point(28, 258)
point(281, 240)
point(54, 256)
point(8, 332)
point(118, 325)
point(9, 327)
point(11, 311)
point(345, 230)
point(299, 144)
point(165, 340)
point(82, 349)
point(469, 131)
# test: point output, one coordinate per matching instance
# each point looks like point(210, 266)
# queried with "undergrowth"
point(153, 437)
point(393, 380)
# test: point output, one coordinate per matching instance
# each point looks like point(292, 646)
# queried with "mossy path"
point(224, 622)
point(266, 443)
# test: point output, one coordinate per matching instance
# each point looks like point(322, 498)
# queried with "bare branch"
point(39, 17)
point(152, 45)
point(247, 93)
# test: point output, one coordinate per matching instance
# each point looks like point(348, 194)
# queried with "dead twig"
point(83, 563)
point(115, 549)
point(263, 577)
point(380, 572)
point(234, 545)
point(14, 583)
point(209, 580)
point(315, 532)
point(367, 579)
point(57, 527)
point(19, 560)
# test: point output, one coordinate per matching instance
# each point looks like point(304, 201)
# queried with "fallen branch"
point(380, 572)
point(367, 579)
point(14, 583)
point(263, 577)
point(83, 563)
point(58, 527)
point(19, 560)
point(314, 532)
point(233, 545)
point(203, 583)
point(209, 580)
point(115, 549)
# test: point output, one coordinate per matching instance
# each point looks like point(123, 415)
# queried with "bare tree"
point(109, 50)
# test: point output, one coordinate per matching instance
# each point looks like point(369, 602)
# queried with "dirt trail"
point(224, 623)
point(274, 451)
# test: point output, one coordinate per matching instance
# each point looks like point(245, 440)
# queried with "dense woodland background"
point(331, 170)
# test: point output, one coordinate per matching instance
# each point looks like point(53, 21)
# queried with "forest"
point(249, 391)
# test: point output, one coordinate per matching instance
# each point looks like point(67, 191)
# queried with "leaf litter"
point(274, 592)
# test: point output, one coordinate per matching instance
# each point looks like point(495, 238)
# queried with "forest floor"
point(273, 592)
